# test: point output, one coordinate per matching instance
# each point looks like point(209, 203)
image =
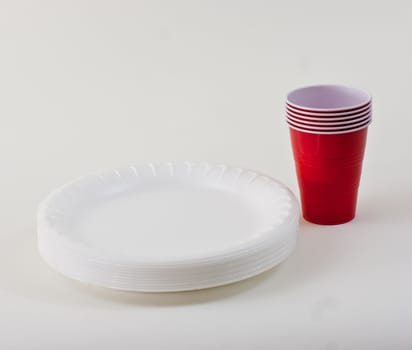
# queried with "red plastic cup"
point(328, 168)
point(328, 127)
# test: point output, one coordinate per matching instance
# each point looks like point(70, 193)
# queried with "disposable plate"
point(167, 226)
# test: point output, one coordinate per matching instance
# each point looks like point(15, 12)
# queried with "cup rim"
point(329, 120)
point(320, 115)
point(355, 98)
point(332, 131)
point(326, 128)
point(314, 123)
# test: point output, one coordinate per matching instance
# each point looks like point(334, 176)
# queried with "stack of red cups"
point(328, 127)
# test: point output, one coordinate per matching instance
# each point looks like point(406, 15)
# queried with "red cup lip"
point(329, 124)
point(328, 121)
point(327, 128)
point(332, 131)
point(327, 116)
point(328, 98)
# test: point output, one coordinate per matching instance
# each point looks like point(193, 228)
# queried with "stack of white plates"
point(168, 226)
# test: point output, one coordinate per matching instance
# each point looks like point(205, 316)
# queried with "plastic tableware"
point(328, 168)
point(328, 128)
point(168, 227)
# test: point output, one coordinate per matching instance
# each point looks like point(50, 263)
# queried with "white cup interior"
point(328, 97)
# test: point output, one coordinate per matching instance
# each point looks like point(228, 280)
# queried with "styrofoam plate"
point(168, 226)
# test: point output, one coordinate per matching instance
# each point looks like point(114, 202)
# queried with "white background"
point(90, 85)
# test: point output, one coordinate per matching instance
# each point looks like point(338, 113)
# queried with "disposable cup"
point(328, 168)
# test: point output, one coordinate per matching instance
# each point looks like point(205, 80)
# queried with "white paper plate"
point(168, 227)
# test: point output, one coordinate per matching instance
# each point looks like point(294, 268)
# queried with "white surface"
point(170, 226)
point(86, 85)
